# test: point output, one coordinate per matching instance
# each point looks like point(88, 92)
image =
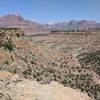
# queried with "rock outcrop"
point(31, 90)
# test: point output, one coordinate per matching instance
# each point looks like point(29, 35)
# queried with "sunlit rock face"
point(31, 90)
point(16, 20)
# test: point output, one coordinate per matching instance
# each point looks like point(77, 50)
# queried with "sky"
point(44, 11)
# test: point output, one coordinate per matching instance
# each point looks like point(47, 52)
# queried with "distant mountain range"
point(73, 25)
point(31, 27)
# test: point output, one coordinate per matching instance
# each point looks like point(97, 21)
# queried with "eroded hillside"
point(30, 59)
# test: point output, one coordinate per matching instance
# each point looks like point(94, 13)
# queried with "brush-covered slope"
point(30, 60)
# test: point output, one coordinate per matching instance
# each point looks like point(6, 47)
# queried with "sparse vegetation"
point(44, 65)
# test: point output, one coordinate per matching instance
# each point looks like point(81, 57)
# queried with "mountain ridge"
point(17, 21)
point(31, 27)
point(73, 25)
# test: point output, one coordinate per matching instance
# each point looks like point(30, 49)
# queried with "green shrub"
point(9, 45)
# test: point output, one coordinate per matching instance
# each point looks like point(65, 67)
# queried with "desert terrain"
point(57, 66)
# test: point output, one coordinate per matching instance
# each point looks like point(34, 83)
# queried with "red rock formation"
point(17, 21)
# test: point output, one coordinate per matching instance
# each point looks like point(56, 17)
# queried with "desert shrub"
point(9, 45)
point(64, 82)
point(27, 72)
point(7, 62)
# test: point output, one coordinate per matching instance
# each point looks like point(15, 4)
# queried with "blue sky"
point(52, 10)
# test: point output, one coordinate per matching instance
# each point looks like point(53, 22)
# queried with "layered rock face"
point(17, 21)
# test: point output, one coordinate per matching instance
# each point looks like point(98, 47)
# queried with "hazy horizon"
point(45, 11)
